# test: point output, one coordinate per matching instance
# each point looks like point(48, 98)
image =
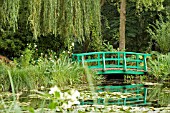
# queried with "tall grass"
point(28, 73)
point(13, 107)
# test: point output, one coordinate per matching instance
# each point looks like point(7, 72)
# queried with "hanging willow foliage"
point(9, 10)
point(64, 18)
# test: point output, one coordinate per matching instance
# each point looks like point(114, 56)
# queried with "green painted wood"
point(104, 63)
point(119, 71)
point(124, 61)
point(113, 62)
point(145, 64)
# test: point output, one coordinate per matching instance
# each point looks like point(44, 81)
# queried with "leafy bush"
point(160, 66)
point(161, 33)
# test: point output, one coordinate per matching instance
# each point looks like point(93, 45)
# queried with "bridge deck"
point(114, 62)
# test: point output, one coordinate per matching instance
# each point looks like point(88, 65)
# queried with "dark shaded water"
point(119, 79)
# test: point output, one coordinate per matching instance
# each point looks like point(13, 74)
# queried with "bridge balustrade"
point(114, 62)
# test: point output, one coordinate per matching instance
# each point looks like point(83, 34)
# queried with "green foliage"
point(55, 23)
point(136, 37)
point(29, 73)
point(159, 93)
point(65, 72)
point(139, 14)
point(68, 19)
point(108, 47)
point(49, 42)
point(159, 68)
point(13, 44)
point(26, 57)
point(149, 5)
point(10, 13)
point(161, 33)
point(11, 106)
point(110, 23)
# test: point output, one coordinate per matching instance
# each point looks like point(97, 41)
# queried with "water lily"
point(72, 44)
point(42, 87)
point(64, 106)
point(35, 46)
point(69, 104)
point(76, 102)
point(54, 89)
point(62, 96)
point(125, 108)
point(67, 96)
point(75, 93)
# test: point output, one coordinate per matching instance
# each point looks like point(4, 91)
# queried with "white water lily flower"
point(35, 45)
point(42, 87)
point(64, 106)
point(67, 96)
point(52, 61)
point(72, 44)
point(74, 95)
point(76, 102)
point(69, 104)
point(77, 93)
point(57, 108)
point(72, 91)
point(61, 96)
point(125, 108)
point(54, 89)
point(122, 96)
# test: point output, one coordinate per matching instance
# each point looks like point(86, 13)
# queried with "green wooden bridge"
point(114, 62)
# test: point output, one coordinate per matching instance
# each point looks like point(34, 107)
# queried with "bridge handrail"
point(122, 58)
point(91, 53)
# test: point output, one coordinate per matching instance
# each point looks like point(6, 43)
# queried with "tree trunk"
point(102, 2)
point(122, 25)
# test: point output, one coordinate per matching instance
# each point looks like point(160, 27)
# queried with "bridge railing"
point(105, 61)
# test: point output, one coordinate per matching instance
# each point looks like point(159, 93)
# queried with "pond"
point(40, 100)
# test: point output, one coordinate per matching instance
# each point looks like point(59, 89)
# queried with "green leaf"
point(57, 95)
point(52, 105)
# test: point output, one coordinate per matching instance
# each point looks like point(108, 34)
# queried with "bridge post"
point(78, 58)
point(104, 65)
point(118, 56)
point(82, 58)
point(145, 64)
point(124, 60)
point(145, 95)
point(98, 57)
point(137, 63)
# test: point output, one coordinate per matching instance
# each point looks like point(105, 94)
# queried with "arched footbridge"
point(114, 62)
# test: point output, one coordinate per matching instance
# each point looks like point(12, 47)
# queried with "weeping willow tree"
point(9, 12)
point(70, 19)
